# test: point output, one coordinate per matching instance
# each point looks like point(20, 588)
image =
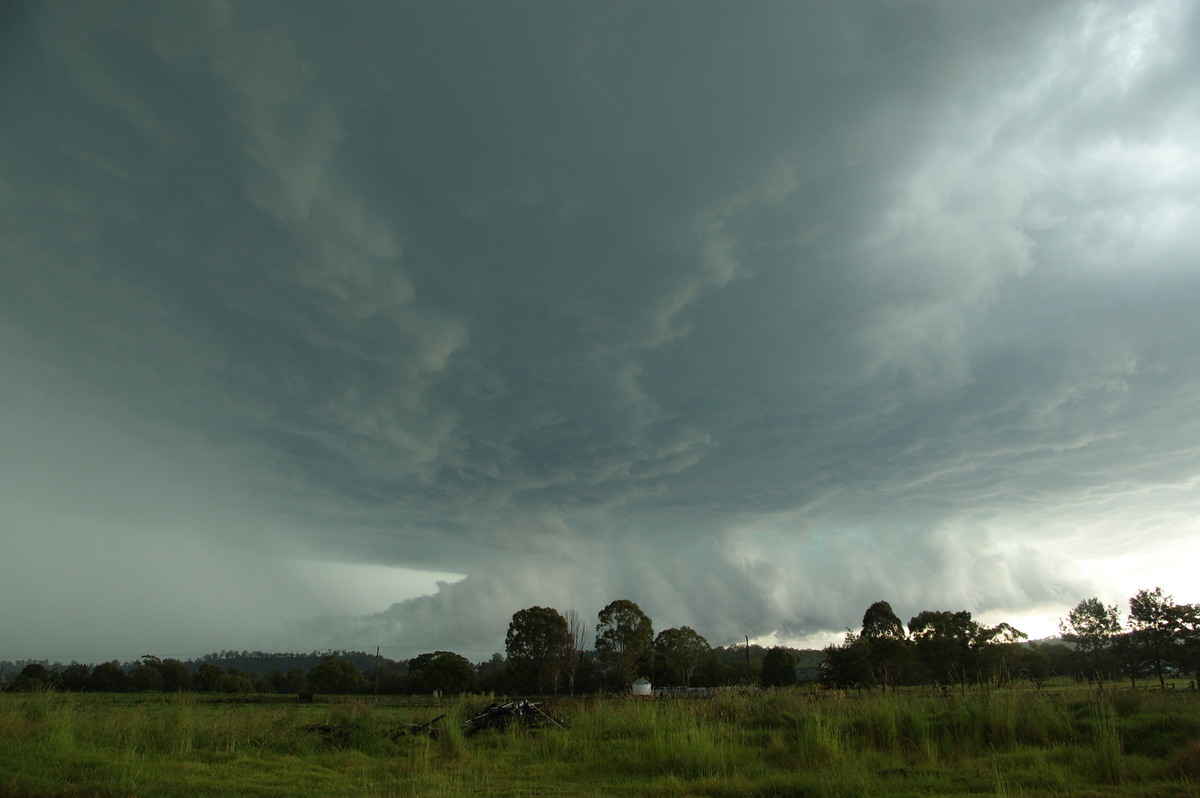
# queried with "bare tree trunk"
point(577, 634)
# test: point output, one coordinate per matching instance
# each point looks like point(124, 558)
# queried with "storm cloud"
point(751, 313)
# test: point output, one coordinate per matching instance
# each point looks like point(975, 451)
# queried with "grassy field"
point(785, 743)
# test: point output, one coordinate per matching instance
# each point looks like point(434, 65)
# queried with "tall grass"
point(1106, 744)
point(787, 742)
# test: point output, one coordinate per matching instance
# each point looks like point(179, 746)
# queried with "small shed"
point(642, 687)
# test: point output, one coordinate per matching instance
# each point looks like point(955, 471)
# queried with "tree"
point(107, 677)
point(887, 648)
point(846, 665)
point(943, 641)
point(74, 676)
point(442, 671)
point(997, 653)
point(336, 675)
point(1152, 627)
point(577, 634)
point(1032, 663)
point(233, 683)
point(624, 636)
point(493, 674)
point(682, 650)
point(176, 675)
point(146, 676)
point(1186, 620)
point(32, 678)
point(953, 646)
point(538, 646)
point(206, 677)
point(879, 622)
point(1091, 627)
point(779, 668)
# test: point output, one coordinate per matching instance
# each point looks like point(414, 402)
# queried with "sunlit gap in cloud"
point(1163, 562)
point(357, 589)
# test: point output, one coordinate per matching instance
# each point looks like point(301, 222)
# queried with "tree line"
point(1160, 638)
point(548, 652)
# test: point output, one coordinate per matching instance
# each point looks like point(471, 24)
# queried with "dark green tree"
point(1091, 627)
point(336, 675)
point(176, 675)
point(624, 638)
point(846, 665)
point(74, 677)
point(954, 648)
point(887, 645)
point(443, 671)
point(206, 677)
point(1129, 655)
point(997, 651)
point(1032, 663)
point(779, 668)
point(587, 674)
point(1186, 620)
point(943, 643)
point(146, 676)
point(1063, 660)
point(493, 674)
point(390, 681)
point(32, 678)
point(1152, 627)
point(538, 646)
point(682, 651)
point(233, 683)
point(107, 677)
point(879, 622)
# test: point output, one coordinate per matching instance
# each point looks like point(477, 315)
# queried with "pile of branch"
point(330, 731)
point(342, 733)
point(417, 728)
point(525, 714)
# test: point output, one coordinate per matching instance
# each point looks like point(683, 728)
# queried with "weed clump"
point(1186, 763)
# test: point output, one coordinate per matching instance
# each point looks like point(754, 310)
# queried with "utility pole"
point(376, 674)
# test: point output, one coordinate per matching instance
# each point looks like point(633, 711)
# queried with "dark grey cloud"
point(752, 314)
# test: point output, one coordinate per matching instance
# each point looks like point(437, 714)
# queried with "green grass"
point(779, 743)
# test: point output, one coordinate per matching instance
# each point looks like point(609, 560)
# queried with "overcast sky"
point(354, 324)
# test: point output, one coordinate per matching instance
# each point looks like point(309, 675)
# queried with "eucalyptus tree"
point(444, 671)
point(1092, 627)
point(879, 622)
point(107, 677)
point(779, 668)
point(577, 639)
point(943, 642)
point(147, 675)
point(847, 664)
point(1153, 630)
point(1186, 619)
point(538, 646)
point(683, 649)
point(336, 675)
point(624, 637)
point(887, 646)
point(955, 646)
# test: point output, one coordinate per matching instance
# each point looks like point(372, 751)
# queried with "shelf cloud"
point(753, 314)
